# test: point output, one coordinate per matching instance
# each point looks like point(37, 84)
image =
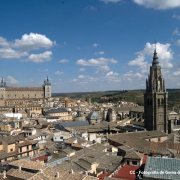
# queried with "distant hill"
point(136, 96)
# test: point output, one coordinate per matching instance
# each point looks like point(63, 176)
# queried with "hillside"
point(135, 96)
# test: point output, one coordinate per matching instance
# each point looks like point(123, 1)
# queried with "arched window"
point(162, 101)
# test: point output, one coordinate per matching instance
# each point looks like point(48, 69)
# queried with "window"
point(20, 149)
point(11, 149)
point(27, 148)
point(134, 162)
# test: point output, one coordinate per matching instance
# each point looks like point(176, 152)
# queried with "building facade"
point(155, 99)
point(25, 92)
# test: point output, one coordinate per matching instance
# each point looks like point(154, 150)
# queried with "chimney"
point(71, 171)
point(57, 174)
point(86, 173)
point(19, 168)
point(41, 171)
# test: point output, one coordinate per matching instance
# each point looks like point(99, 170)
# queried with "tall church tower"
point(47, 88)
point(155, 99)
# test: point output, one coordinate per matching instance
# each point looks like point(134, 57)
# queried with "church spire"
point(155, 58)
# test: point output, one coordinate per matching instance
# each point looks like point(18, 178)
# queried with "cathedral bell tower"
point(155, 99)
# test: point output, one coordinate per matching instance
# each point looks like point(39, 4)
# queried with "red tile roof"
point(41, 158)
point(102, 176)
point(144, 159)
point(124, 172)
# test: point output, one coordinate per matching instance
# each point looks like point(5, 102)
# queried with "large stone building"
point(25, 92)
point(155, 99)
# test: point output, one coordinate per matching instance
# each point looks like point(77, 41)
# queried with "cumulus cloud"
point(176, 16)
point(96, 62)
point(12, 80)
point(111, 73)
point(101, 52)
point(9, 53)
point(159, 4)
point(164, 52)
point(176, 73)
point(129, 76)
point(82, 69)
point(64, 61)
point(102, 69)
point(95, 44)
point(113, 1)
point(39, 58)
point(58, 73)
point(32, 42)
point(3, 42)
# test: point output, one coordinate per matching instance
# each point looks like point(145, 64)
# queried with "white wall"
point(16, 115)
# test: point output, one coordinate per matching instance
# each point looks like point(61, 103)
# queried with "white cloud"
point(101, 52)
point(3, 42)
point(39, 58)
point(102, 69)
point(176, 16)
point(12, 80)
point(81, 76)
point(45, 70)
point(178, 42)
point(65, 43)
point(64, 61)
point(111, 73)
point(113, 1)
point(9, 53)
point(129, 76)
point(32, 42)
point(95, 44)
point(158, 4)
point(176, 31)
point(74, 80)
point(82, 69)
point(164, 53)
point(58, 73)
point(96, 62)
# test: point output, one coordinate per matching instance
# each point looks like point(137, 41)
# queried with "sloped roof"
point(28, 164)
point(159, 164)
point(72, 124)
point(133, 155)
point(60, 110)
point(93, 115)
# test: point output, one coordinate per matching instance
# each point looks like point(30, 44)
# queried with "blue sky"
point(88, 45)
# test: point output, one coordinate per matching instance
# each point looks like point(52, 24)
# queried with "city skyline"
point(93, 45)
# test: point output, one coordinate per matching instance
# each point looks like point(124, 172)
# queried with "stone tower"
point(155, 99)
point(47, 88)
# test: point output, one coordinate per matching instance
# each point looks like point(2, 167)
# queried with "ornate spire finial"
point(155, 58)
